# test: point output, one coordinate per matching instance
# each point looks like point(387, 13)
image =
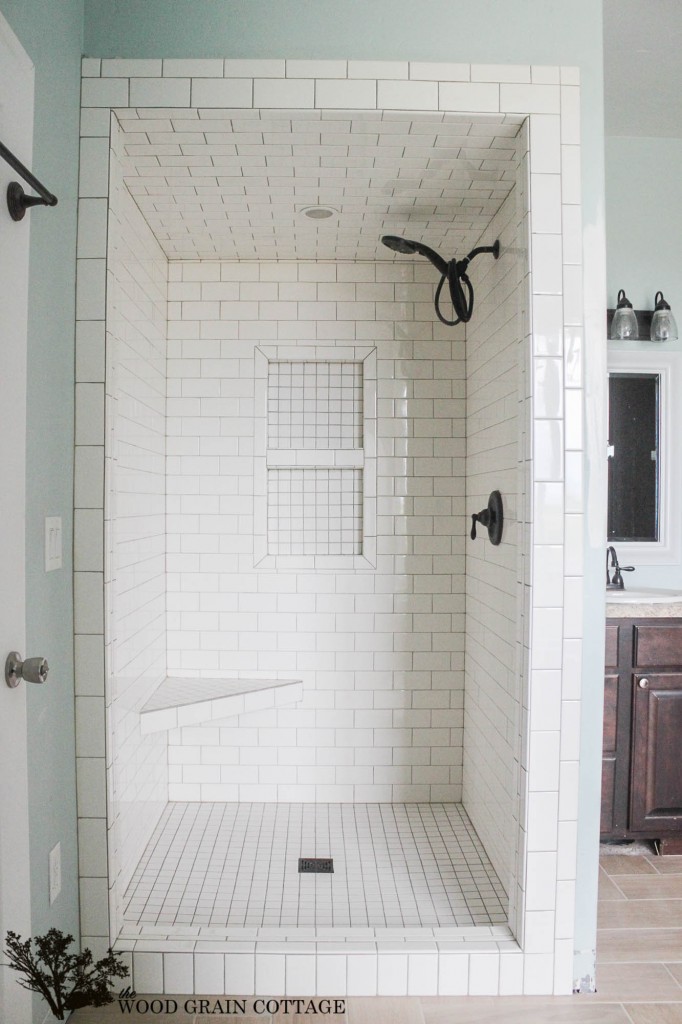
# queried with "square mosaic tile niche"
point(314, 512)
point(314, 405)
point(315, 459)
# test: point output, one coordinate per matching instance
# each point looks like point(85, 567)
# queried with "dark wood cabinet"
point(642, 749)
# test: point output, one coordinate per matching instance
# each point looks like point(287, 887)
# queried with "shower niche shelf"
point(180, 700)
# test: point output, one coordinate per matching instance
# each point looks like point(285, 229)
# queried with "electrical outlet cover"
point(53, 543)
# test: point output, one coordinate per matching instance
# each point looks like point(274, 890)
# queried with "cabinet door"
point(656, 779)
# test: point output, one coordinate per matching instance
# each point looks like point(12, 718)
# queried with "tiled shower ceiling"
point(233, 185)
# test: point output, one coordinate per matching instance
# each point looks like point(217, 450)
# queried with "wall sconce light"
point(627, 324)
point(663, 326)
point(624, 323)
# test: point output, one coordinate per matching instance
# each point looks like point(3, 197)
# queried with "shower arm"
point(494, 249)
point(461, 265)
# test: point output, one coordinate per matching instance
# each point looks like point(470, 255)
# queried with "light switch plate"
point(53, 543)
point(55, 872)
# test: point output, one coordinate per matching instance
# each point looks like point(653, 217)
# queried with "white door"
point(16, 132)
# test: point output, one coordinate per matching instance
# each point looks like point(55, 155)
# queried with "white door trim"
point(16, 131)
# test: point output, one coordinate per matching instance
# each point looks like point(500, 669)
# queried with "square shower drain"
point(315, 865)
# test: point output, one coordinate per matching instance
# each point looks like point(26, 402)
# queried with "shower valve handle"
point(482, 517)
point(491, 517)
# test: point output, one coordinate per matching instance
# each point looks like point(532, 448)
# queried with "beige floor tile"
point(648, 945)
point(261, 1018)
point(640, 914)
point(676, 971)
point(667, 865)
point(622, 864)
point(287, 1018)
point(522, 1010)
point(655, 1013)
point(608, 890)
point(112, 1012)
point(651, 887)
point(384, 1010)
point(635, 983)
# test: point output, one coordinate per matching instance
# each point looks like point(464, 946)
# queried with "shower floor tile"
point(224, 865)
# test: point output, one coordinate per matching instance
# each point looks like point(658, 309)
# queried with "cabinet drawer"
point(658, 645)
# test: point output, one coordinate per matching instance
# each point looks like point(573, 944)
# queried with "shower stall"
point(323, 732)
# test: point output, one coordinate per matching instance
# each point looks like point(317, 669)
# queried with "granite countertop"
point(644, 603)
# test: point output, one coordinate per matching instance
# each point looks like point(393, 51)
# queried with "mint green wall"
point(51, 33)
point(483, 31)
point(643, 223)
point(522, 31)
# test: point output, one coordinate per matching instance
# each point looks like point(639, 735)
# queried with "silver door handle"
point(33, 670)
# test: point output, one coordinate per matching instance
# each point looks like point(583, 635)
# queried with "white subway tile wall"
point(380, 652)
point(498, 348)
point(218, 181)
point(135, 528)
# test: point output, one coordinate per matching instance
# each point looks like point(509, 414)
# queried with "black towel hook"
point(491, 517)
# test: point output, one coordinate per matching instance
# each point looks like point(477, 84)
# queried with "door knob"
point(33, 670)
point(643, 683)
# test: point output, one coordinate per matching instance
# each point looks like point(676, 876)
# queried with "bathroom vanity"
point(642, 752)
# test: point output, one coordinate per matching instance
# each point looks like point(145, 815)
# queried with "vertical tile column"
point(550, 724)
point(89, 502)
point(134, 524)
point(496, 409)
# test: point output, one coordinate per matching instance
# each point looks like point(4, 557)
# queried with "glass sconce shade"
point(663, 326)
point(624, 324)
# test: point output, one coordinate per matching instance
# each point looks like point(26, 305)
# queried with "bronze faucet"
point(615, 582)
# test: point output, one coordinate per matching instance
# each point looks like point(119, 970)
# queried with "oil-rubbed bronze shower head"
point(461, 289)
point(410, 248)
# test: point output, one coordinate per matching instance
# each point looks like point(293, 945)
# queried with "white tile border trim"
point(549, 98)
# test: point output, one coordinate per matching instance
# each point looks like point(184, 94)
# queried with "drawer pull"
point(643, 683)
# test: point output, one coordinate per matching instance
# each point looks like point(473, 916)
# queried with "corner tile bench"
point(179, 701)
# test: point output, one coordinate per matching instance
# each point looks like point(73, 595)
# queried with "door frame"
point(15, 892)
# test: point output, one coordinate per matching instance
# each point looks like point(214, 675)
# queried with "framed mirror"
point(633, 439)
point(643, 480)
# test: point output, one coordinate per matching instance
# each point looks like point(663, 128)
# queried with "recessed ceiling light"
point(319, 212)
